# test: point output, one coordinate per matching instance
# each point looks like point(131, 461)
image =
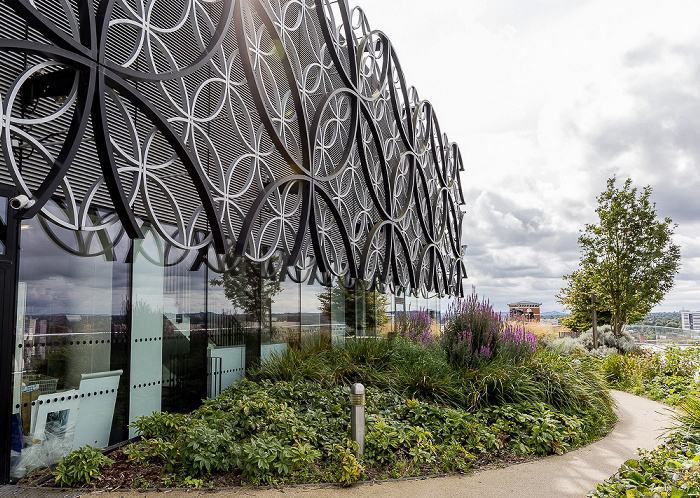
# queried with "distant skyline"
point(547, 100)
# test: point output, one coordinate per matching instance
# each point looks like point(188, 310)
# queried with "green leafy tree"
point(341, 298)
point(628, 257)
point(576, 296)
point(247, 290)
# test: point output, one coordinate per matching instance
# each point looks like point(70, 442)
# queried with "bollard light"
point(357, 416)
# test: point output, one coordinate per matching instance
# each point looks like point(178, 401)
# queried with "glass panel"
point(184, 331)
point(386, 314)
point(242, 293)
point(285, 317)
point(336, 311)
point(434, 313)
point(3, 225)
point(226, 350)
point(147, 309)
point(359, 301)
point(376, 308)
point(71, 335)
point(314, 325)
point(169, 336)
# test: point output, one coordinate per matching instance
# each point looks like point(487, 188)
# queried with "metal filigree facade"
point(255, 127)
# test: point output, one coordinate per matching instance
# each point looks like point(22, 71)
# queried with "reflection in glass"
point(184, 325)
point(315, 325)
point(146, 327)
point(3, 225)
point(71, 322)
point(226, 350)
point(169, 337)
point(336, 308)
point(285, 316)
point(355, 310)
point(251, 289)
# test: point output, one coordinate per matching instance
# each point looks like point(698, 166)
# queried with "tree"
point(628, 257)
point(247, 290)
point(341, 298)
point(577, 298)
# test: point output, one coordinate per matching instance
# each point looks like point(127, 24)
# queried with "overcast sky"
point(547, 99)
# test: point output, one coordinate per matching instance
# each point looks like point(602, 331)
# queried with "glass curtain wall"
point(335, 308)
point(226, 345)
point(71, 339)
point(285, 315)
point(315, 319)
point(169, 328)
point(109, 330)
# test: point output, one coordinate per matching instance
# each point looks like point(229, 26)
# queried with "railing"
point(651, 334)
point(568, 333)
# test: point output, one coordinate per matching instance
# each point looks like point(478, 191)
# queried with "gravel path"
point(640, 423)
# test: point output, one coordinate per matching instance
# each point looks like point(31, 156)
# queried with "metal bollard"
point(357, 416)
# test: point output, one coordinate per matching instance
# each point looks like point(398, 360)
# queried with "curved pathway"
point(640, 424)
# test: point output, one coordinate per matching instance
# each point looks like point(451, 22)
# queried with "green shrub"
point(158, 425)
point(80, 466)
point(347, 467)
point(566, 345)
point(624, 343)
point(679, 362)
point(671, 470)
point(277, 432)
point(667, 376)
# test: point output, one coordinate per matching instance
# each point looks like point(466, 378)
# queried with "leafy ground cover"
point(481, 393)
point(292, 432)
point(669, 376)
point(274, 430)
point(673, 468)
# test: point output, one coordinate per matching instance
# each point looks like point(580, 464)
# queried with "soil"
point(125, 475)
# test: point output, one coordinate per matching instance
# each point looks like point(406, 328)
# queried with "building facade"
point(525, 310)
point(690, 320)
point(187, 188)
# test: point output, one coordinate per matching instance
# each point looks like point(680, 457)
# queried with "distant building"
point(690, 320)
point(528, 311)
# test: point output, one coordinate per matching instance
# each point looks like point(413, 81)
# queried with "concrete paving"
point(640, 423)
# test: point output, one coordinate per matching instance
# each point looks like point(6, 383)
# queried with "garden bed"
point(123, 475)
point(481, 394)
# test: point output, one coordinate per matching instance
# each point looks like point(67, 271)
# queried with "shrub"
point(157, 425)
point(608, 343)
point(415, 326)
point(624, 343)
point(516, 343)
point(289, 432)
point(80, 466)
point(566, 345)
point(471, 331)
point(348, 468)
point(680, 362)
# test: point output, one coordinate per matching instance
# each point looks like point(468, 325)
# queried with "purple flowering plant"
point(516, 343)
point(415, 326)
point(475, 334)
point(471, 331)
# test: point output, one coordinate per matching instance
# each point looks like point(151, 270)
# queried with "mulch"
point(125, 475)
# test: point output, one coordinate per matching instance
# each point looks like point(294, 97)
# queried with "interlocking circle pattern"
point(246, 127)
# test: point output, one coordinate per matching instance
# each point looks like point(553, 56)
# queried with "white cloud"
point(547, 99)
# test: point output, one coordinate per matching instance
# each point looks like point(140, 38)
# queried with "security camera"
point(21, 202)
